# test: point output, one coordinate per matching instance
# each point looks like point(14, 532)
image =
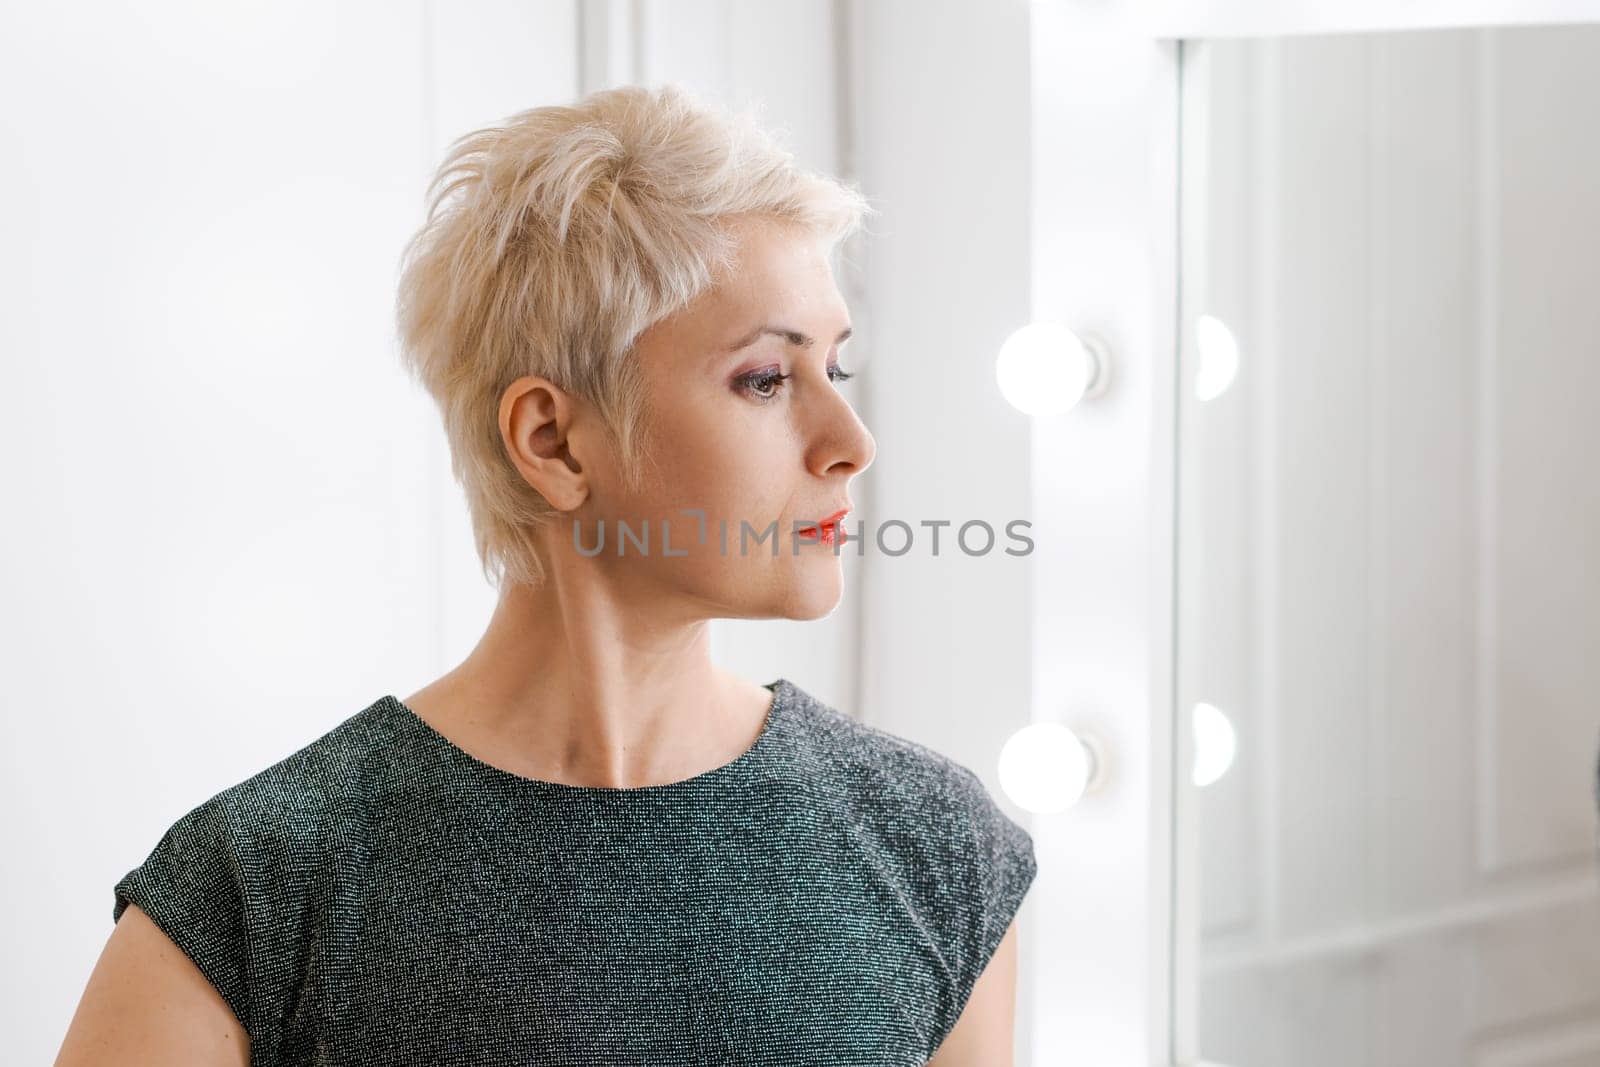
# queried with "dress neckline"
point(741, 766)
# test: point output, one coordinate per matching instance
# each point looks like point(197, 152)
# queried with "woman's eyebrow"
point(794, 337)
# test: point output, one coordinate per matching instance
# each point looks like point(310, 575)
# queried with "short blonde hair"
point(552, 241)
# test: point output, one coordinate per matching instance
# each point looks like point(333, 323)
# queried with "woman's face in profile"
point(750, 424)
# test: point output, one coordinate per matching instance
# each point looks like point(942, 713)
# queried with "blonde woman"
point(588, 843)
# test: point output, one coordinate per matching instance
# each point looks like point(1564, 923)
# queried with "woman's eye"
point(755, 384)
point(766, 385)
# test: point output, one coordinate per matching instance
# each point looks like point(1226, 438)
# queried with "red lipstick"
point(827, 530)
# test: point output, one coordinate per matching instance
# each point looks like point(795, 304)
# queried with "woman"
point(587, 843)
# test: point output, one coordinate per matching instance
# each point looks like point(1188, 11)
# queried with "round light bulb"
point(1046, 767)
point(1044, 368)
point(1214, 744)
point(1218, 350)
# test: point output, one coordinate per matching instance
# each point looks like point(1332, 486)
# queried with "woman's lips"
point(827, 530)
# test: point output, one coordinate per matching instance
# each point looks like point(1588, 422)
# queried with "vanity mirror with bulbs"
point(1324, 566)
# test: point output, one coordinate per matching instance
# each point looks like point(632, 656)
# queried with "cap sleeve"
point(191, 888)
point(1003, 866)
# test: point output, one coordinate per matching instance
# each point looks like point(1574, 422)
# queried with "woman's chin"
point(816, 594)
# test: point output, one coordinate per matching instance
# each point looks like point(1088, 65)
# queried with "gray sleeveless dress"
point(382, 897)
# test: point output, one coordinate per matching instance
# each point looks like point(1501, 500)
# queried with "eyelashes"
point(754, 384)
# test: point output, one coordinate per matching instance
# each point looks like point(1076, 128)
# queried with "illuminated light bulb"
point(1214, 744)
point(1219, 357)
point(1044, 368)
point(1047, 768)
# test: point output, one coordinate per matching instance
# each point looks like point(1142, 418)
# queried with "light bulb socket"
point(1099, 363)
point(1099, 760)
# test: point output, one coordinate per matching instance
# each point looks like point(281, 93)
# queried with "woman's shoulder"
point(288, 810)
point(928, 820)
point(870, 764)
point(342, 767)
point(231, 881)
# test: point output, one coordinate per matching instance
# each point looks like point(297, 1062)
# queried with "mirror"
point(1389, 547)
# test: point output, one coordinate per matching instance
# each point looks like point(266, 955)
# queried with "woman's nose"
point(842, 441)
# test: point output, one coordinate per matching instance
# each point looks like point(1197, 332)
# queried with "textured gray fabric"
point(383, 897)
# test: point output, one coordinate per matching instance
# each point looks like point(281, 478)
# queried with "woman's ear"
point(536, 423)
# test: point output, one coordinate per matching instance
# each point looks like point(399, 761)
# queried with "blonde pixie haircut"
point(551, 242)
